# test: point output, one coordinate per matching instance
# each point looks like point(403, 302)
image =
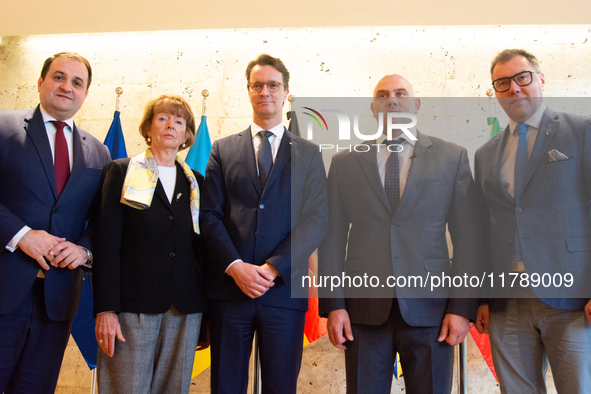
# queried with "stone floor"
point(323, 371)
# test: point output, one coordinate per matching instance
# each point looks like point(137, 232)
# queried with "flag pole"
point(290, 98)
point(463, 356)
point(257, 387)
point(93, 385)
point(490, 93)
point(205, 94)
point(119, 91)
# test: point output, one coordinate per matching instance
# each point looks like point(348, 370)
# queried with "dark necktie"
point(521, 158)
point(265, 157)
point(61, 160)
point(392, 178)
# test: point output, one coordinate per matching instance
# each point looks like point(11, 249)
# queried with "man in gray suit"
point(534, 181)
point(388, 216)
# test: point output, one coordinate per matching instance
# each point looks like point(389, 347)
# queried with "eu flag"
point(114, 139)
point(83, 325)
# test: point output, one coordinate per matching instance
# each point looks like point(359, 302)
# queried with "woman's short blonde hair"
point(172, 104)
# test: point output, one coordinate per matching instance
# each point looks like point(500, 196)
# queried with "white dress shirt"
point(274, 140)
point(510, 150)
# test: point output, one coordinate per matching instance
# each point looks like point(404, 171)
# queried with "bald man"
point(389, 208)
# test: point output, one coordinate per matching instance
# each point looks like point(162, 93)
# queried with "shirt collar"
point(49, 118)
point(404, 137)
point(534, 121)
point(276, 130)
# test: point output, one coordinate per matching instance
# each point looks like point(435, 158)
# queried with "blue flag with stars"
point(83, 325)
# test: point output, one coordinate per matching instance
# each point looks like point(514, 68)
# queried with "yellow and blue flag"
point(199, 153)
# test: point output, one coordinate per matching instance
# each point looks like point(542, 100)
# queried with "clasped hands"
point(253, 280)
point(44, 247)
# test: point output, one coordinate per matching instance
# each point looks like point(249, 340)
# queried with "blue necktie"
point(265, 157)
point(392, 178)
point(520, 166)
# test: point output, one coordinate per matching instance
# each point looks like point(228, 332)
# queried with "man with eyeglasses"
point(263, 212)
point(534, 180)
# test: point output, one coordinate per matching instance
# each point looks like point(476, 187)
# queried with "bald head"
point(394, 93)
point(393, 85)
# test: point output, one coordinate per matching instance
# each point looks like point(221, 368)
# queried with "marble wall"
point(440, 61)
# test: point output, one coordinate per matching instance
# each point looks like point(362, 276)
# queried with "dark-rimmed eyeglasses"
point(523, 78)
point(272, 86)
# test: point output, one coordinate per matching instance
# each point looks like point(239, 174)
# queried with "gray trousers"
point(156, 357)
point(528, 336)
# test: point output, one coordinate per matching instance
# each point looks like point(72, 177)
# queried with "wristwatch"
point(89, 259)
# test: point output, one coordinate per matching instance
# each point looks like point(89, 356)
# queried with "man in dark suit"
point(534, 180)
point(388, 216)
point(43, 213)
point(263, 212)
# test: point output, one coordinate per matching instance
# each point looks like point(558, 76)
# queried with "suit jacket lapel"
point(546, 132)
point(369, 163)
point(36, 129)
point(422, 155)
point(247, 152)
point(161, 194)
point(282, 158)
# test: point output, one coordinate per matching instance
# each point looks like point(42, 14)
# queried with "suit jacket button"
point(171, 217)
point(55, 210)
point(262, 206)
point(171, 254)
point(518, 210)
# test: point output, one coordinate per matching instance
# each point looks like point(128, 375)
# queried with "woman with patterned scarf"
point(148, 298)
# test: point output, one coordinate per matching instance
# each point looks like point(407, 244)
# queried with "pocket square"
point(555, 155)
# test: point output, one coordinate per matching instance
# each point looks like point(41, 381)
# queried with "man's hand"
point(37, 244)
point(454, 329)
point(202, 345)
point(254, 281)
point(484, 317)
point(106, 328)
point(339, 324)
point(270, 270)
point(66, 254)
point(588, 311)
